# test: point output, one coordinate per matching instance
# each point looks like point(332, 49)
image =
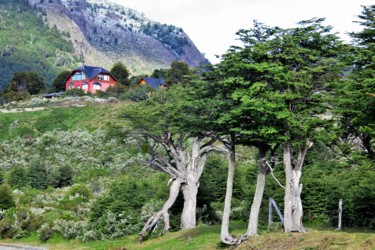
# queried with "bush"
point(7, 231)
point(81, 190)
point(45, 232)
point(6, 197)
point(37, 175)
point(17, 177)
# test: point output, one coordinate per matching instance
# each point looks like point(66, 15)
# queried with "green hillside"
point(27, 44)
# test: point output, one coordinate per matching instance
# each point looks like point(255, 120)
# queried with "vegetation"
point(59, 83)
point(225, 138)
point(121, 73)
point(34, 47)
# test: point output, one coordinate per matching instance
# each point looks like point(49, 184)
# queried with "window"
point(70, 86)
point(97, 85)
point(78, 76)
point(84, 86)
point(103, 77)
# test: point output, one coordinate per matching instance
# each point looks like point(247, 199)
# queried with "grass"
point(90, 117)
point(208, 238)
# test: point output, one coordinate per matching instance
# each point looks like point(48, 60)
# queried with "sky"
point(212, 24)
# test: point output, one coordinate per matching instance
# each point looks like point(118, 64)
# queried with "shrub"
point(17, 177)
point(45, 232)
point(81, 190)
point(6, 197)
point(37, 175)
point(7, 231)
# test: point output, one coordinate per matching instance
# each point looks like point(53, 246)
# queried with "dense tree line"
point(276, 93)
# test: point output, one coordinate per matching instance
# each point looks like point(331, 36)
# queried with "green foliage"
point(355, 93)
point(37, 175)
point(121, 73)
point(6, 197)
point(34, 47)
point(126, 196)
point(159, 73)
point(17, 177)
point(1, 177)
point(59, 83)
point(140, 93)
point(277, 80)
point(167, 34)
point(178, 73)
point(81, 190)
point(65, 176)
point(75, 92)
point(24, 84)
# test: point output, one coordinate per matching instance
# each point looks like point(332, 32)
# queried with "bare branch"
point(273, 176)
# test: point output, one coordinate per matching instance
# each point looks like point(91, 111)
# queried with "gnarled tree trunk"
point(186, 169)
point(163, 213)
point(293, 211)
point(189, 191)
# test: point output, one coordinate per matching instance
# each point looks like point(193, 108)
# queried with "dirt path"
point(18, 247)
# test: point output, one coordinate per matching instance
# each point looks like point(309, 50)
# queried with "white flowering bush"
point(70, 229)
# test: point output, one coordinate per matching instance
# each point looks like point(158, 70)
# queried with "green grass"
point(208, 237)
point(202, 237)
point(90, 117)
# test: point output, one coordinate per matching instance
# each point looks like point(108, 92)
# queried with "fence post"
point(269, 212)
point(340, 215)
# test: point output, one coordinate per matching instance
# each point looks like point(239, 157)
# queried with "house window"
point(97, 85)
point(78, 76)
point(70, 86)
point(103, 77)
point(84, 86)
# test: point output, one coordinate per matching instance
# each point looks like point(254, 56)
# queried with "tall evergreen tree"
point(279, 77)
point(355, 94)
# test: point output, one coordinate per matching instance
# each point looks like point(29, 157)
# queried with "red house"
point(90, 79)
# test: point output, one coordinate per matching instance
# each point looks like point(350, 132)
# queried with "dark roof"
point(91, 71)
point(53, 94)
point(153, 82)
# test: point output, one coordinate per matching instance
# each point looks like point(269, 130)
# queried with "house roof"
point(153, 82)
point(91, 71)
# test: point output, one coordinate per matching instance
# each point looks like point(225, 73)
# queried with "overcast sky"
point(212, 24)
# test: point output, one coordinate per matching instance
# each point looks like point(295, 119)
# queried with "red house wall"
point(90, 83)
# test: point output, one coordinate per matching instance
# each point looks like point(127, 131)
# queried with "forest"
point(288, 115)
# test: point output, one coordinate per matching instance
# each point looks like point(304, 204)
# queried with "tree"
point(59, 83)
point(173, 126)
point(355, 94)
point(159, 73)
point(24, 84)
point(177, 73)
point(280, 77)
point(6, 197)
point(30, 81)
point(120, 71)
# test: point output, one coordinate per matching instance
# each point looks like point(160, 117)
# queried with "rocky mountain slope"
point(102, 33)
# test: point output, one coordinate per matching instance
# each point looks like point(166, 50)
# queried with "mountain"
point(26, 44)
point(96, 32)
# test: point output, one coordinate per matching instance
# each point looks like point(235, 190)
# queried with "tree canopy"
point(120, 71)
